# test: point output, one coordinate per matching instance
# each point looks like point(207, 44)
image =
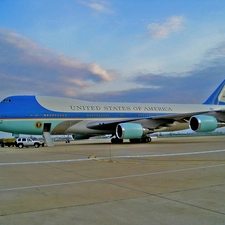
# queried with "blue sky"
point(168, 51)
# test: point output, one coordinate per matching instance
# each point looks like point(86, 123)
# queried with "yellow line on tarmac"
point(158, 163)
point(127, 162)
point(191, 163)
point(218, 162)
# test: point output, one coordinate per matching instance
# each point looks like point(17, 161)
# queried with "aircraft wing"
point(179, 116)
point(187, 116)
point(149, 122)
point(108, 124)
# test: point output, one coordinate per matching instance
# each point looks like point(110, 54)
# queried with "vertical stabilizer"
point(218, 96)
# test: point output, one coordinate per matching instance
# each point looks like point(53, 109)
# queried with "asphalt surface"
point(169, 181)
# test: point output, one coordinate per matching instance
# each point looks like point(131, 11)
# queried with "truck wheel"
point(36, 145)
point(20, 145)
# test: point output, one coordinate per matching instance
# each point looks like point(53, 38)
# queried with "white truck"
point(27, 142)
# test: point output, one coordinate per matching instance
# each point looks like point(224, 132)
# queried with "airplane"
point(45, 115)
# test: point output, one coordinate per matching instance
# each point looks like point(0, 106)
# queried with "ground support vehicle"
point(27, 142)
point(10, 142)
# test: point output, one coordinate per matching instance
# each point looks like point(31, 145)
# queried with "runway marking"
point(108, 178)
point(112, 157)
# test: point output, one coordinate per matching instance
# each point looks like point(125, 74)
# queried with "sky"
point(166, 51)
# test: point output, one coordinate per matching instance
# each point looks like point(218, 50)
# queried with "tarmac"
point(168, 181)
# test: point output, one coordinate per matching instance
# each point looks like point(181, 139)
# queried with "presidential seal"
point(38, 124)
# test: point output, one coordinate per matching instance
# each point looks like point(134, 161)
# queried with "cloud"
point(97, 5)
point(163, 30)
point(25, 67)
point(218, 52)
point(193, 86)
point(193, 89)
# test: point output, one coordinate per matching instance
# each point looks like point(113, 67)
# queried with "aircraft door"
point(47, 127)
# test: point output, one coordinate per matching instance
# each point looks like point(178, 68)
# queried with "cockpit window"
point(7, 100)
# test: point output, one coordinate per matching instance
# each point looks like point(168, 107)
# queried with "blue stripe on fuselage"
point(26, 107)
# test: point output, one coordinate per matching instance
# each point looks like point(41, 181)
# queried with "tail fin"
point(218, 96)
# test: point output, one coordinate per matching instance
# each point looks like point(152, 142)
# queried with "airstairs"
point(47, 139)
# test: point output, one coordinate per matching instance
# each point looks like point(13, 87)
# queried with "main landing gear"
point(116, 141)
point(144, 139)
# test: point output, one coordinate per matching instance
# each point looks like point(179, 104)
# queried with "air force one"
point(43, 115)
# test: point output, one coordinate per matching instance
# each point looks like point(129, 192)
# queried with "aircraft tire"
point(145, 139)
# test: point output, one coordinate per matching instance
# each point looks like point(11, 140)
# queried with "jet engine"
point(203, 123)
point(130, 131)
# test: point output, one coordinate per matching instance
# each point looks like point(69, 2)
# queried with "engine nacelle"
point(203, 123)
point(130, 131)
